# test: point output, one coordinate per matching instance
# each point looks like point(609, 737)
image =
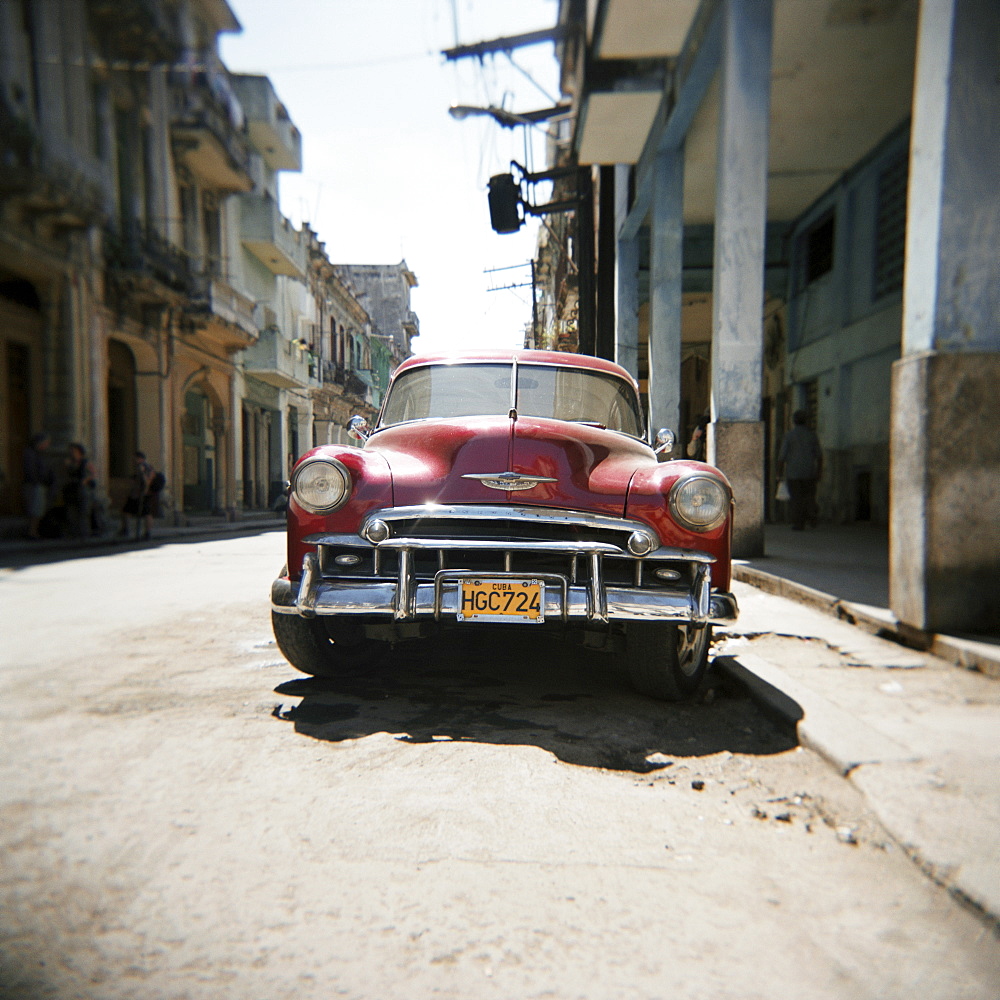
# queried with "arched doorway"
point(123, 421)
point(198, 439)
point(21, 409)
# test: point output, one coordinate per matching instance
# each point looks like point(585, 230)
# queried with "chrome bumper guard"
point(407, 599)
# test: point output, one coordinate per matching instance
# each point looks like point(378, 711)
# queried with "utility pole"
point(534, 308)
point(586, 320)
point(521, 284)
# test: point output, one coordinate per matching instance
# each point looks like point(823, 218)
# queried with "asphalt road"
point(182, 815)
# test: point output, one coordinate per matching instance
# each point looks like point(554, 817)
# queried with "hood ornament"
point(508, 480)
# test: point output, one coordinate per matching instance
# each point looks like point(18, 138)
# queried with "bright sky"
point(387, 173)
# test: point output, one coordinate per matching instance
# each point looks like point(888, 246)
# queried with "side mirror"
point(357, 428)
point(664, 441)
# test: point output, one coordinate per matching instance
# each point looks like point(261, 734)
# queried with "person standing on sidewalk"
point(38, 481)
point(697, 447)
point(78, 493)
point(143, 501)
point(800, 464)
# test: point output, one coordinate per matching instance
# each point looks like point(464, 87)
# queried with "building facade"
point(152, 295)
point(795, 208)
point(384, 289)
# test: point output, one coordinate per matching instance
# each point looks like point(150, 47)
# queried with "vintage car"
point(510, 489)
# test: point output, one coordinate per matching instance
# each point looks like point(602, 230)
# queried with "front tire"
point(324, 646)
point(666, 661)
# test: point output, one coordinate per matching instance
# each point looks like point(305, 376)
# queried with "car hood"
point(579, 467)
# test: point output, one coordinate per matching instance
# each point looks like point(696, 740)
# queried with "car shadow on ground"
point(509, 689)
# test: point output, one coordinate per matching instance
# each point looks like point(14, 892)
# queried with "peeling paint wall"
point(845, 325)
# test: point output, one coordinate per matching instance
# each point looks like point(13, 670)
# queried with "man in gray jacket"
point(800, 463)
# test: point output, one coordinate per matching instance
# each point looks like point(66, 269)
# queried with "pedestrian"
point(38, 481)
point(143, 502)
point(697, 447)
point(800, 464)
point(78, 493)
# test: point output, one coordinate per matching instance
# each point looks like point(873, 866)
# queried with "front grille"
point(529, 541)
point(500, 530)
point(617, 570)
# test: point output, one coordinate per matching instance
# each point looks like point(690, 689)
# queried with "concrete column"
point(666, 264)
point(606, 278)
point(235, 500)
point(58, 358)
point(736, 436)
point(944, 553)
point(626, 282)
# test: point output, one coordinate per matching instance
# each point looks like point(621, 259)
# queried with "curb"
point(837, 736)
point(25, 552)
point(869, 760)
point(967, 652)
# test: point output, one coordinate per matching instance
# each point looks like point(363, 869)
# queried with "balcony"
point(149, 267)
point(332, 373)
point(222, 313)
point(355, 385)
point(57, 189)
point(231, 306)
point(207, 130)
point(361, 384)
point(19, 151)
point(270, 237)
point(271, 130)
point(135, 30)
point(274, 360)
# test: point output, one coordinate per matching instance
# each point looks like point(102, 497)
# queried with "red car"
point(511, 489)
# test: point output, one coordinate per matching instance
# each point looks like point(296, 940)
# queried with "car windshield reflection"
point(558, 392)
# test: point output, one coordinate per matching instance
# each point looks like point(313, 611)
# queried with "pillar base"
point(944, 539)
point(737, 448)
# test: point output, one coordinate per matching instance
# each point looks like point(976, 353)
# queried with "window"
point(99, 104)
point(818, 248)
point(890, 228)
point(189, 219)
point(212, 221)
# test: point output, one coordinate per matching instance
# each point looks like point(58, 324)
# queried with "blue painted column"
point(626, 282)
point(666, 263)
point(944, 554)
point(736, 435)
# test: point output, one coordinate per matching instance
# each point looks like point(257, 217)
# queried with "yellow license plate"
point(491, 599)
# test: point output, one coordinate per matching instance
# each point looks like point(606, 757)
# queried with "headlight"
point(321, 485)
point(699, 502)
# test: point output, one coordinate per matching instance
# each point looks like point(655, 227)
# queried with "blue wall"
point(845, 324)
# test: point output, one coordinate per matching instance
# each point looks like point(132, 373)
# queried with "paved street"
point(183, 815)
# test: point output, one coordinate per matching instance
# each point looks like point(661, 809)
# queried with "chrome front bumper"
point(406, 599)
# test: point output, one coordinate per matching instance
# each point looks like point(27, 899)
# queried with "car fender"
point(648, 501)
point(371, 489)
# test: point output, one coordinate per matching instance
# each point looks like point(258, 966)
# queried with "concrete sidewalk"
point(843, 570)
point(915, 734)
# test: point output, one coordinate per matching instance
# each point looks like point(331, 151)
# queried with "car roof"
point(523, 356)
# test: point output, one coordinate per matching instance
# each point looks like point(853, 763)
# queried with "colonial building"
point(796, 208)
point(384, 289)
point(152, 294)
point(342, 349)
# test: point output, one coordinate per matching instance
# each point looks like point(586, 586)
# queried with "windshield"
point(470, 390)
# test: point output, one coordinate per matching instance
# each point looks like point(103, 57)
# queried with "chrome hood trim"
point(488, 512)
point(508, 480)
